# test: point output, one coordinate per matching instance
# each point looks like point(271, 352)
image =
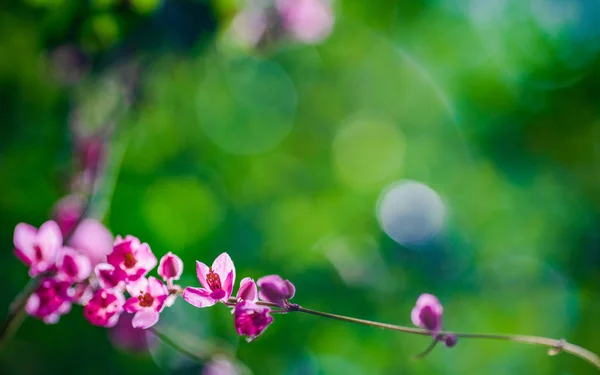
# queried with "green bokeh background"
point(279, 156)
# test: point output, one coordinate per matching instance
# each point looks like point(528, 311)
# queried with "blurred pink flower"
point(72, 266)
point(249, 26)
point(92, 239)
point(247, 291)
point(308, 21)
point(251, 319)
point(82, 293)
point(37, 249)
point(217, 282)
point(68, 211)
point(427, 313)
point(276, 290)
point(170, 268)
point(132, 257)
point(104, 308)
point(127, 337)
point(220, 365)
point(51, 300)
point(152, 294)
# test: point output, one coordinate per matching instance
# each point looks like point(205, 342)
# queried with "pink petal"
point(248, 290)
point(93, 239)
point(198, 297)
point(108, 276)
point(291, 289)
point(228, 285)
point(33, 304)
point(201, 272)
point(132, 305)
point(146, 257)
point(24, 239)
point(73, 265)
point(137, 287)
point(50, 239)
point(222, 266)
point(426, 299)
point(145, 319)
point(156, 288)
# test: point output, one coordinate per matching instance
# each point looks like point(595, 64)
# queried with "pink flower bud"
point(427, 313)
point(309, 21)
point(251, 320)
point(37, 248)
point(104, 308)
point(51, 300)
point(276, 290)
point(170, 267)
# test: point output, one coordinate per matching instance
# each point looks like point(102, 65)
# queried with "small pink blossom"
point(72, 266)
point(132, 257)
point(309, 21)
point(217, 282)
point(37, 248)
point(93, 239)
point(151, 296)
point(251, 319)
point(67, 212)
point(110, 277)
point(427, 313)
point(276, 290)
point(51, 300)
point(104, 308)
point(248, 290)
point(170, 268)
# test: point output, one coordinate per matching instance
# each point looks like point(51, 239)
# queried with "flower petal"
point(222, 266)
point(248, 290)
point(132, 305)
point(198, 297)
point(201, 272)
point(156, 288)
point(137, 287)
point(145, 319)
point(228, 285)
point(50, 239)
point(24, 238)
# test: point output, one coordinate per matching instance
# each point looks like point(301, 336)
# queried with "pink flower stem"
point(555, 346)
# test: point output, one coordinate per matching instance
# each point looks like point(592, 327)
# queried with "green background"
point(279, 157)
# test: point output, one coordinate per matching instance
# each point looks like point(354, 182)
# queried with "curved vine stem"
point(554, 345)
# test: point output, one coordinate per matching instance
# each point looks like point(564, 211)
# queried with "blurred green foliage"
point(279, 156)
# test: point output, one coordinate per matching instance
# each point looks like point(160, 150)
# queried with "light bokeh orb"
point(410, 212)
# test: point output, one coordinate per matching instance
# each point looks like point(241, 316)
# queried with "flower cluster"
point(120, 283)
point(251, 315)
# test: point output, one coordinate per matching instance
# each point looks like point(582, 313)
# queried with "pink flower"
point(247, 291)
point(170, 268)
point(152, 294)
point(51, 300)
point(132, 257)
point(427, 313)
point(37, 248)
point(104, 308)
point(72, 266)
point(217, 281)
point(276, 290)
point(68, 211)
point(92, 239)
point(309, 21)
point(251, 319)
point(110, 277)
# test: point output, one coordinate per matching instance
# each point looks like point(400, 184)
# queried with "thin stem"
point(427, 350)
point(175, 346)
point(553, 344)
